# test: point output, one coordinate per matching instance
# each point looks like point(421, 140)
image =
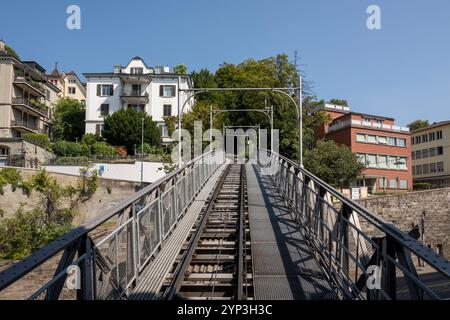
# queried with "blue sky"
point(402, 71)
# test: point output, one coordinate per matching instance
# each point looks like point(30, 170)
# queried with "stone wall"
point(404, 210)
point(108, 194)
point(25, 154)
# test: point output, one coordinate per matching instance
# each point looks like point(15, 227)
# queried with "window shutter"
point(161, 90)
point(97, 129)
point(112, 90)
point(173, 91)
point(99, 90)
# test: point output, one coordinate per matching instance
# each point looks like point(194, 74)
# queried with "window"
point(425, 153)
point(417, 140)
point(382, 140)
point(367, 120)
point(418, 170)
point(432, 136)
point(433, 168)
point(383, 183)
point(47, 94)
point(72, 90)
point(164, 131)
point(439, 151)
point(361, 158)
point(380, 122)
point(360, 137)
point(371, 139)
point(404, 184)
point(440, 166)
point(414, 170)
point(136, 90)
point(72, 81)
point(167, 91)
point(371, 160)
point(432, 152)
point(104, 110)
point(167, 112)
point(137, 70)
point(413, 155)
point(426, 169)
point(393, 183)
point(382, 162)
point(425, 138)
point(419, 154)
point(412, 141)
point(105, 90)
point(438, 135)
point(99, 129)
point(401, 142)
point(391, 141)
point(137, 107)
point(4, 151)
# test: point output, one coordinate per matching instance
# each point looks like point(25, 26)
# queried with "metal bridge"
point(219, 229)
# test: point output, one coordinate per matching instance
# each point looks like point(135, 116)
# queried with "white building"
point(137, 86)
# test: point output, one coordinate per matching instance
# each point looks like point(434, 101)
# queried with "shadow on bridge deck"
point(284, 267)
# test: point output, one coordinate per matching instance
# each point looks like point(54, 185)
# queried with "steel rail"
point(187, 256)
point(21, 268)
point(241, 226)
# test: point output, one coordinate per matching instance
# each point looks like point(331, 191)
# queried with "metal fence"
point(364, 256)
point(111, 264)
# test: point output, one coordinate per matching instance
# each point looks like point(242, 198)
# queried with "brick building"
point(383, 146)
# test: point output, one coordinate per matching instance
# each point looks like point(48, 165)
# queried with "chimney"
point(2, 46)
point(166, 69)
point(117, 69)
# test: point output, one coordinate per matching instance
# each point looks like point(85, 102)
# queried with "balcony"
point(135, 96)
point(30, 105)
point(29, 85)
point(21, 125)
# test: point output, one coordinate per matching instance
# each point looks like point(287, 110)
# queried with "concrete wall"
point(108, 194)
point(118, 171)
point(403, 210)
point(35, 156)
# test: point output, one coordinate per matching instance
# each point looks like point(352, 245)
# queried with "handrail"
point(21, 268)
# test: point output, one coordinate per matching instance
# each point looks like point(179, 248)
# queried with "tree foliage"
point(12, 52)
point(123, 128)
point(418, 124)
point(333, 163)
point(180, 69)
point(339, 102)
point(69, 117)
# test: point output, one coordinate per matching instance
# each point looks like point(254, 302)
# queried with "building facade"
point(26, 97)
point(147, 89)
point(69, 84)
point(379, 143)
point(431, 155)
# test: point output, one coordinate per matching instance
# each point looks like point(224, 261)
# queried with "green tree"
point(69, 117)
point(123, 128)
point(12, 52)
point(418, 124)
point(339, 102)
point(180, 69)
point(333, 163)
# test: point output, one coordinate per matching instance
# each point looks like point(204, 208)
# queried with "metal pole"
point(179, 123)
point(210, 124)
point(300, 120)
point(271, 129)
point(142, 150)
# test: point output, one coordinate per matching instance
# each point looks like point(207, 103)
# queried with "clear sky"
point(402, 70)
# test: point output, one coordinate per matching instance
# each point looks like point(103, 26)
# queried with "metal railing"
point(364, 256)
point(35, 85)
point(44, 110)
point(25, 124)
point(134, 93)
point(112, 250)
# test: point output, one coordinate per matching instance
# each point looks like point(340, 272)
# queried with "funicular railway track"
point(215, 261)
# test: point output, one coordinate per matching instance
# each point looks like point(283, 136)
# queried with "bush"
point(422, 186)
point(90, 139)
point(10, 176)
point(70, 149)
point(103, 149)
point(38, 139)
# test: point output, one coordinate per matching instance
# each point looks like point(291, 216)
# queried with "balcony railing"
point(30, 104)
point(26, 125)
point(134, 93)
point(347, 123)
point(36, 86)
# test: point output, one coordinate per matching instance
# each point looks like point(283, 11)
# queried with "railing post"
point(86, 292)
point(389, 281)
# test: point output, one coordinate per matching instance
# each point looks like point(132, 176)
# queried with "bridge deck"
point(283, 265)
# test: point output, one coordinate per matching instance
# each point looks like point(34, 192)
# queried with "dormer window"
point(137, 70)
